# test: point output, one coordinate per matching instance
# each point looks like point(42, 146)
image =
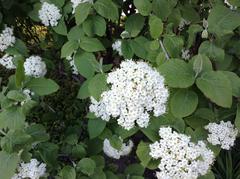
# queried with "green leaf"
point(16, 95)
point(58, 3)
point(127, 49)
point(222, 20)
point(134, 24)
point(175, 69)
point(116, 142)
point(91, 44)
point(237, 118)
point(68, 48)
point(8, 164)
point(49, 153)
point(86, 166)
point(20, 74)
point(212, 51)
point(138, 46)
point(188, 98)
point(192, 33)
point(37, 132)
point(209, 175)
point(42, 86)
point(68, 172)
point(235, 81)
point(98, 174)
point(85, 64)
point(82, 11)
point(94, 25)
point(78, 151)
point(75, 34)
point(15, 140)
point(201, 63)
point(61, 28)
point(173, 45)
point(95, 127)
point(134, 169)
point(217, 87)
point(142, 152)
point(144, 6)
point(13, 118)
point(155, 26)
point(163, 8)
point(83, 92)
point(107, 9)
point(98, 80)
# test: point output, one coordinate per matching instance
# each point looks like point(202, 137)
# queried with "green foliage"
point(217, 87)
point(53, 123)
point(188, 98)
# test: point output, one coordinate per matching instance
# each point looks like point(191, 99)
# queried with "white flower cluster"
point(75, 3)
point(28, 93)
point(49, 14)
point(32, 170)
point(136, 90)
point(183, 23)
point(35, 67)
point(223, 134)
point(7, 39)
point(179, 157)
point(230, 5)
point(185, 54)
point(72, 64)
point(7, 62)
point(117, 46)
point(114, 153)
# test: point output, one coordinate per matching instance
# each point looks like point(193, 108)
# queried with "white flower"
point(49, 14)
point(75, 3)
point(179, 157)
point(32, 170)
point(185, 54)
point(183, 23)
point(230, 5)
point(136, 91)
point(114, 153)
point(35, 67)
point(7, 38)
point(117, 46)
point(28, 93)
point(7, 62)
point(72, 64)
point(223, 134)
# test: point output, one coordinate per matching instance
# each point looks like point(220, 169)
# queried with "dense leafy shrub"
point(107, 89)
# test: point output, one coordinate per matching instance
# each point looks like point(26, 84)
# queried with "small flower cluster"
point(223, 134)
point(114, 153)
point(205, 31)
point(185, 54)
point(75, 3)
point(28, 93)
point(32, 170)
point(136, 90)
point(183, 23)
point(7, 39)
point(230, 5)
point(72, 64)
point(117, 46)
point(179, 157)
point(49, 14)
point(35, 67)
point(7, 62)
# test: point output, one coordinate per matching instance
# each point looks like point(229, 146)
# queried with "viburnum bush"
point(119, 89)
